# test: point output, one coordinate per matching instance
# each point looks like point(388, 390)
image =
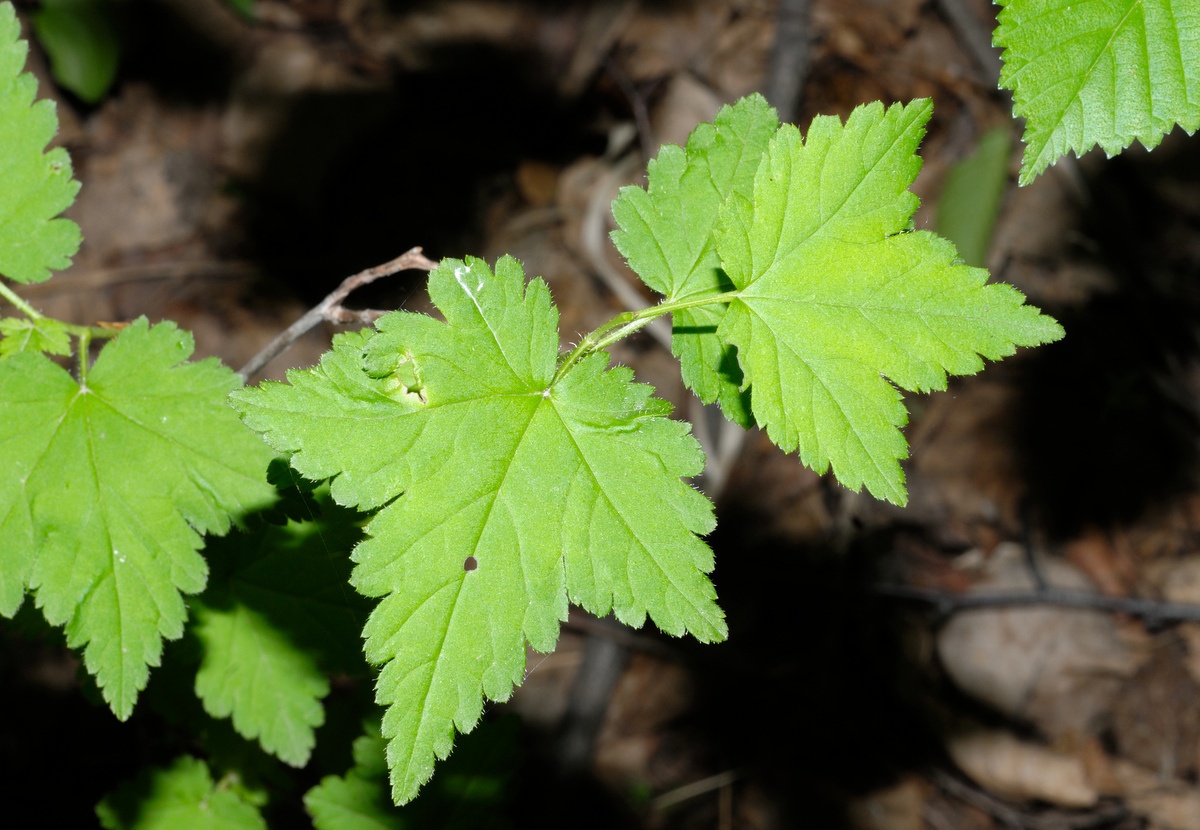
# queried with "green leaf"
point(501, 494)
point(1104, 72)
point(180, 797)
point(35, 187)
point(352, 802)
point(277, 614)
point(666, 233)
point(970, 200)
point(253, 672)
point(79, 37)
point(110, 485)
point(470, 791)
point(20, 334)
point(836, 298)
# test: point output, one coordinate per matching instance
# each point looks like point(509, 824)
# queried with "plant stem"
point(626, 323)
point(85, 343)
point(24, 307)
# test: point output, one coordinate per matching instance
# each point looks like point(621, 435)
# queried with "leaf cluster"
point(501, 477)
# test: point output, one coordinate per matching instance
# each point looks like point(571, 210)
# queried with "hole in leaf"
point(470, 564)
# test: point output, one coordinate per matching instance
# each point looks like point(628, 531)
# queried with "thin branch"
point(1010, 816)
point(330, 309)
point(789, 58)
point(975, 35)
point(1154, 612)
point(696, 788)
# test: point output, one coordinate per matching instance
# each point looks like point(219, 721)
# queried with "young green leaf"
point(1104, 72)
point(180, 797)
point(110, 484)
point(836, 298)
point(21, 334)
point(276, 616)
point(500, 493)
point(37, 186)
point(666, 233)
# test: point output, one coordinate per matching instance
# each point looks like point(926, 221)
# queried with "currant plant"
point(501, 478)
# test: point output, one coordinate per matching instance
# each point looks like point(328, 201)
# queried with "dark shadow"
point(814, 696)
point(354, 180)
point(1107, 428)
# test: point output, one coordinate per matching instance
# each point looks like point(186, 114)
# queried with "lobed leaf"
point(666, 234)
point(36, 186)
point(111, 484)
point(180, 797)
point(838, 301)
point(501, 495)
point(1099, 72)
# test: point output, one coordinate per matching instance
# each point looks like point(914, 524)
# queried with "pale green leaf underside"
point(666, 234)
point(837, 302)
point(1099, 72)
point(109, 487)
point(180, 797)
point(253, 672)
point(502, 495)
point(35, 187)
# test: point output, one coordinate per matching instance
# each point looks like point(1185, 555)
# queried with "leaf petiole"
point(626, 323)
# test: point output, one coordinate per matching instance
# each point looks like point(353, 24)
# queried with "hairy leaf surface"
point(180, 797)
point(836, 299)
point(109, 487)
point(666, 233)
point(501, 494)
point(1099, 72)
point(35, 186)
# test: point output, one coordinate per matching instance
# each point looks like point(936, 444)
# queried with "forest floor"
point(238, 171)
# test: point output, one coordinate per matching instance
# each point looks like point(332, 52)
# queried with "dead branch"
point(330, 309)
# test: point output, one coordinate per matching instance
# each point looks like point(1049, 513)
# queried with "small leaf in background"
point(839, 299)
point(79, 37)
point(37, 185)
point(111, 485)
point(969, 204)
point(20, 334)
point(179, 797)
point(666, 233)
point(277, 615)
point(243, 7)
point(1105, 72)
point(502, 494)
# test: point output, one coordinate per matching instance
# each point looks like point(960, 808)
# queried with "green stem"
point(24, 307)
point(85, 344)
point(626, 323)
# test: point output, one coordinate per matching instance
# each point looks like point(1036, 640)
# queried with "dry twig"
point(330, 309)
